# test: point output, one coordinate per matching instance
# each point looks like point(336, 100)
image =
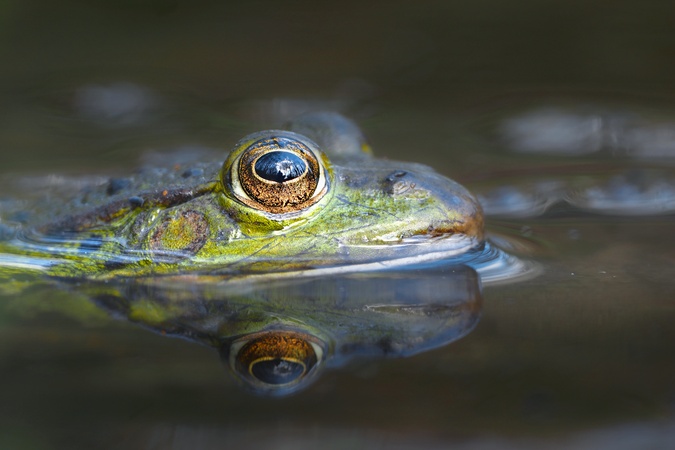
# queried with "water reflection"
point(119, 103)
point(607, 189)
point(586, 128)
point(276, 336)
point(599, 160)
point(632, 192)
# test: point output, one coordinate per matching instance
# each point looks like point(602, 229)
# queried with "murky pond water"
point(560, 118)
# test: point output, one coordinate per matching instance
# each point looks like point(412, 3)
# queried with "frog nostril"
point(397, 174)
point(399, 182)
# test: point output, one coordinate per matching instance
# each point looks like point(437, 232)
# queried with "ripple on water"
point(631, 193)
point(606, 190)
point(497, 266)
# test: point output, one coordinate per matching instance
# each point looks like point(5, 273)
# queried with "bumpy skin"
point(188, 219)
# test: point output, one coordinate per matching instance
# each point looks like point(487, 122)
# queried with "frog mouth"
point(410, 250)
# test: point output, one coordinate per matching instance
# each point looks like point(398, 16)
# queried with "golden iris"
point(275, 359)
point(277, 172)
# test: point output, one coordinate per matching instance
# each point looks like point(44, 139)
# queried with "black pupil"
point(277, 371)
point(280, 166)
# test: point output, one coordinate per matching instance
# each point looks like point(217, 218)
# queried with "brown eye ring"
point(275, 359)
point(278, 172)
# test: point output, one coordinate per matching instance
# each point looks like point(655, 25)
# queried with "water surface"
point(560, 117)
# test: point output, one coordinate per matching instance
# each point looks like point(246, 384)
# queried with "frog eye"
point(277, 172)
point(275, 361)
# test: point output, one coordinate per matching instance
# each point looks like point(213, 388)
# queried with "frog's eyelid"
point(235, 185)
point(318, 350)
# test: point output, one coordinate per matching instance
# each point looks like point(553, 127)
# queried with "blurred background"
point(509, 98)
point(204, 69)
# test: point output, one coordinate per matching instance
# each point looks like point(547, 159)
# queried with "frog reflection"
point(275, 360)
point(276, 336)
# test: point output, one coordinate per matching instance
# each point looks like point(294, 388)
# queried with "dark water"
point(560, 116)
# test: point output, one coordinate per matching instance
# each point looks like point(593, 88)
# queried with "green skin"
point(374, 210)
point(138, 242)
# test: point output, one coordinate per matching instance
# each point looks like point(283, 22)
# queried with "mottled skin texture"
point(187, 219)
point(174, 249)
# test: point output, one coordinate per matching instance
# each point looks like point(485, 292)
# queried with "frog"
point(307, 199)
point(297, 250)
point(276, 336)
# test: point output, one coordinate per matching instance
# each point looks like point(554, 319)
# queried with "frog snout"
point(448, 207)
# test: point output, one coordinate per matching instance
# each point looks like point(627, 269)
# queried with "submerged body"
point(282, 201)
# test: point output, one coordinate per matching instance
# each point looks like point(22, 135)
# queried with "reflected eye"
point(277, 371)
point(275, 360)
point(276, 172)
